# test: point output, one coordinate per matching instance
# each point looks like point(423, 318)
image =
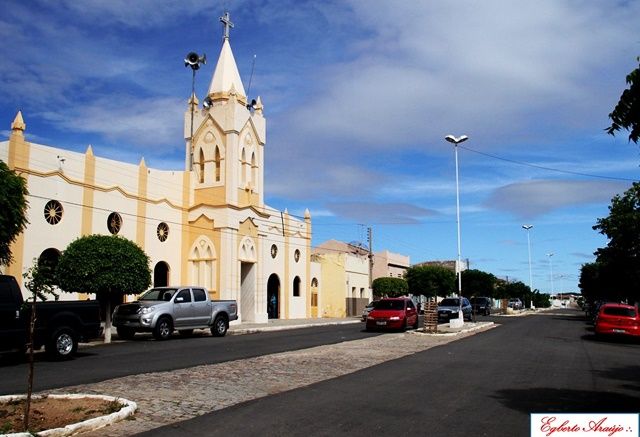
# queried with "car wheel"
point(125, 333)
point(163, 329)
point(62, 344)
point(185, 332)
point(220, 326)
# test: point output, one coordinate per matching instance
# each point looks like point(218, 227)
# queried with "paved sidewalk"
point(167, 397)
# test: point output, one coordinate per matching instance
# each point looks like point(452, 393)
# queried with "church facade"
point(206, 225)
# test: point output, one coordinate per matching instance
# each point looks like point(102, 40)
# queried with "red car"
point(393, 313)
point(618, 319)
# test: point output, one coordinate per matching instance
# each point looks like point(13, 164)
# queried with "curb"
point(241, 331)
point(478, 326)
point(87, 425)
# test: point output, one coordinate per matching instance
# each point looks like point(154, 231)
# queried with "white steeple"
point(226, 74)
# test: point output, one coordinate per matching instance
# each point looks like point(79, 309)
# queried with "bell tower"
point(229, 135)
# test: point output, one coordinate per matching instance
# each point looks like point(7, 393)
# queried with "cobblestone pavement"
point(167, 397)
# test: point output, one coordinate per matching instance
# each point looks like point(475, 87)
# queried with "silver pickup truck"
point(163, 309)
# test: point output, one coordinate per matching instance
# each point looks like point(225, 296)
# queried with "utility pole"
point(370, 241)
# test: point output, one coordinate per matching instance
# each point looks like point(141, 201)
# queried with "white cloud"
point(380, 213)
point(534, 198)
point(151, 123)
point(428, 68)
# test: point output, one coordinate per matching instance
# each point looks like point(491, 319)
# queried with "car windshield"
point(390, 305)
point(450, 302)
point(158, 294)
point(373, 304)
point(619, 311)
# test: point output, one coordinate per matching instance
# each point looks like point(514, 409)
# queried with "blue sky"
point(358, 97)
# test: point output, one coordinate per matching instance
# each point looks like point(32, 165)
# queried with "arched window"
point(253, 168)
point(243, 162)
point(202, 263)
point(217, 161)
point(296, 286)
point(201, 166)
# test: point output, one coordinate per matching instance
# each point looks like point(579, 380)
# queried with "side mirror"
point(179, 299)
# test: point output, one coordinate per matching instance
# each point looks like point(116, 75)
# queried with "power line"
point(541, 167)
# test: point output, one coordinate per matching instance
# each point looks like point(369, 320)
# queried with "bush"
point(390, 287)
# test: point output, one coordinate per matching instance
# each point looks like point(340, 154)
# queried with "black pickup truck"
point(59, 325)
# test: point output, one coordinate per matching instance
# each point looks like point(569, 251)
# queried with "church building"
point(205, 225)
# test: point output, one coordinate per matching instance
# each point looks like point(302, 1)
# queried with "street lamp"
point(455, 141)
point(528, 228)
point(551, 272)
point(194, 61)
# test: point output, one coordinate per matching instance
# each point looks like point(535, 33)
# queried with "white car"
point(365, 312)
point(515, 303)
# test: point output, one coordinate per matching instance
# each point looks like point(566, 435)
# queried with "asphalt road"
point(483, 385)
point(143, 354)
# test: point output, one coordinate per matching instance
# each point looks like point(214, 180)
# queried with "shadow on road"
point(576, 318)
point(556, 400)
point(627, 374)
point(610, 339)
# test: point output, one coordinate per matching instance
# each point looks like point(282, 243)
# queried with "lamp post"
point(455, 141)
point(551, 273)
point(528, 228)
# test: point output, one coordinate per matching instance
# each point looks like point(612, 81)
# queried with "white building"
point(205, 225)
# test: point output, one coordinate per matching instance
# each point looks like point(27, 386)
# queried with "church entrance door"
point(161, 274)
point(273, 297)
point(248, 291)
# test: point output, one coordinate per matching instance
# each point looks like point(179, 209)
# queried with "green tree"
point(390, 287)
point(430, 280)
point(13, 210)
point(619, 261)
point(591, 283)
point(541, 300)
point(512, 289)
point(478, 283)
point(109, 266)
point(626, 114)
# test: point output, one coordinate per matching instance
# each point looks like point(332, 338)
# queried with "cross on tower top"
point(227, 24)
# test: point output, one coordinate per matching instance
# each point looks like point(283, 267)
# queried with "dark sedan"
point(481, 305)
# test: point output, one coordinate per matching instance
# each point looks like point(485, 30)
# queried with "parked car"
point(393, 313)
point(618, 319)
point(481, 305)
point(370, 306)
point(515, 303)
point(593, 309)
point(448, 309)
point(59, 326)
point(163, 309)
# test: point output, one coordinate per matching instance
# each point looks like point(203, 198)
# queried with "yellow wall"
point(333, 285)
point(210, 196)
point(19, 151)
point(87, 191)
